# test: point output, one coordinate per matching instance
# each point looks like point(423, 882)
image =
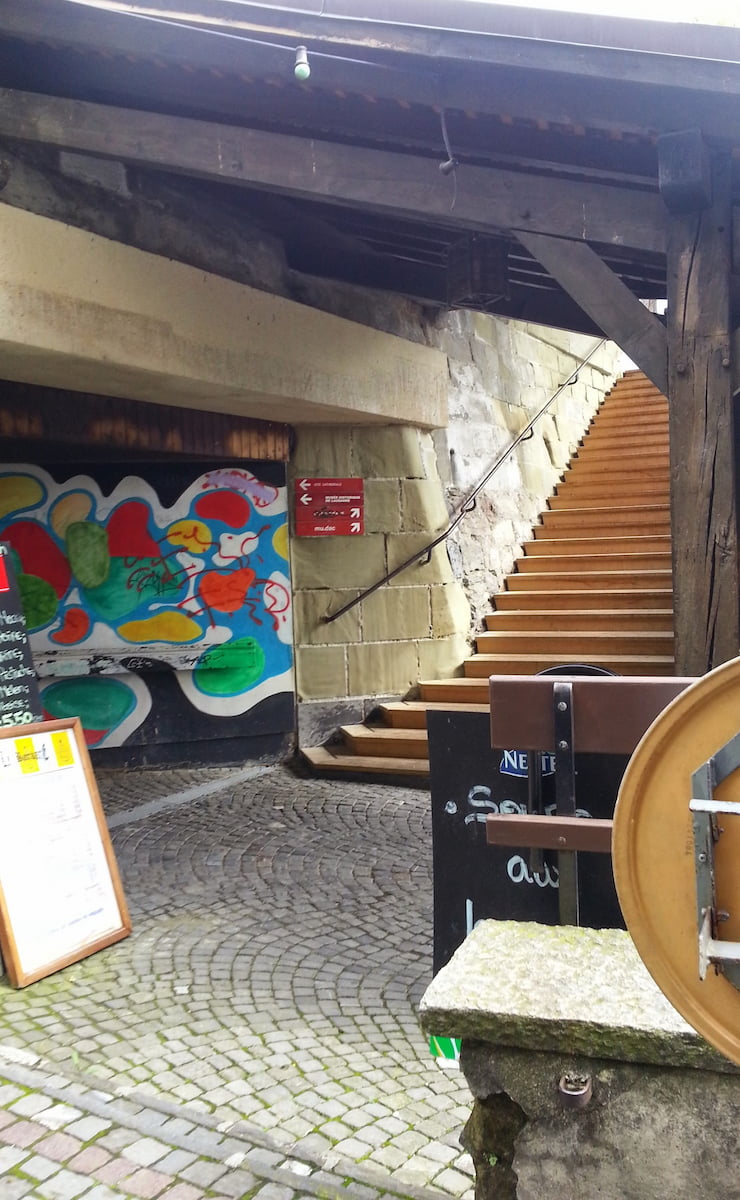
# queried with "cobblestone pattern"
point(282, 939)
point(60, 1140)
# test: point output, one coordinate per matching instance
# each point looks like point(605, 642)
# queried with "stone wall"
point(416, 626)
point(585, 1081)
point(421, 625)
point(501, 374)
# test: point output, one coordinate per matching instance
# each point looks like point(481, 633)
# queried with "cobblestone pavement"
point(263, 1006)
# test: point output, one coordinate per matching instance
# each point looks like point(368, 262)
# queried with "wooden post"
point(702, 436)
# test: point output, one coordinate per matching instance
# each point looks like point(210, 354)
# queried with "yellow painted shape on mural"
point(192, 535)
point(280, 541)
point(75, 506)
point(25, 752)
point(62, 748)
point(18, 492)
point(164, 627)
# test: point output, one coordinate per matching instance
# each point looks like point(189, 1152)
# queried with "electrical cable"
point(195, 27)
point(450, 166)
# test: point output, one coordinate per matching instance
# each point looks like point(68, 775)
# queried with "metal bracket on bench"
point(724, 955)
point(565, 798)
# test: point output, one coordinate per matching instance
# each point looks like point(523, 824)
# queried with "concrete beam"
point(80, 312)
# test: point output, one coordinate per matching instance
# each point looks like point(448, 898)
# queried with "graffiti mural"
point(124, 576)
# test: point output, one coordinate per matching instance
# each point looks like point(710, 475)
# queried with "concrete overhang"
point(83, 313)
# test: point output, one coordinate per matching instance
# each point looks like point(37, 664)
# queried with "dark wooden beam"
point(702, 433)
point(74, 422)
point(407, 185)
point(531, 77)
point(606, 299)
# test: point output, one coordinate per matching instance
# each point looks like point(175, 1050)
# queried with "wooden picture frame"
point(61, 897)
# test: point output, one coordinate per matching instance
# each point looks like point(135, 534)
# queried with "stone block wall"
point(584, 1081)
point(416, 626)
point(421, 625)
point(501, 374)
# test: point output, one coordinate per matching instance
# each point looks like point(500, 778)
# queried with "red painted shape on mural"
point(39, 554)
point(76, 626)
point(128, 531)
point(228, 507)
point(93, 736)
point(225, 592)
point(4, 582)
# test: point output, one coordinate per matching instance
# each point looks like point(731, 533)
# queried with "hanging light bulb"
point(302, 69)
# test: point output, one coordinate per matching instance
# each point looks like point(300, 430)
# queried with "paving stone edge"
point(331, 1177)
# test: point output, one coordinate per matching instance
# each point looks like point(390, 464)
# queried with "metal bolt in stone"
point(575, 1091)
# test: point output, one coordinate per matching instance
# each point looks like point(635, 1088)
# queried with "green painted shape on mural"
point(39, 601)
point(99, 702)
point(131, 583)
point(88, 554)
point(230, 669)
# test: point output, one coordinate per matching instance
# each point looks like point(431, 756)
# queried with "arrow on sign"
point(355, 512)
point(354, 527)
point(304, 484)
point(305, 500)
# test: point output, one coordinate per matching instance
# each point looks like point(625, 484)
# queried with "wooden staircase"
point(592, 586)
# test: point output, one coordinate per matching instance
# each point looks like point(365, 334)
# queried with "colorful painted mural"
point(120, 584)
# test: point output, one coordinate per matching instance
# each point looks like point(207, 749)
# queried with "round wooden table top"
point(653, 853)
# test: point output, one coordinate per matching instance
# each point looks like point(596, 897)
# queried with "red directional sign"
point(329, 507)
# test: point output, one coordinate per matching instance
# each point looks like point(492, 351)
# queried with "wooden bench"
point(565, 715)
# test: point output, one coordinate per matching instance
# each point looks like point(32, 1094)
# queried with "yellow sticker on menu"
point(27, 755)
point(62, 748)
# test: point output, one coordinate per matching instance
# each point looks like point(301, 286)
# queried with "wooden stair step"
point(606, 455)
point(459, 690)
point(333, 760)
point(640, 544)
point(563, 524)
point(568, 599)
point(547, 563)
point(655, 516)
point(630, 428)
point(572, 495)
point(626, 439)
point(412, 714)
point(530, 664)
point(607, 619)
point(607, 471)
point(601, 580)
point(382, 741)
point(624, 389)
point(631, 408)
point(570, 644)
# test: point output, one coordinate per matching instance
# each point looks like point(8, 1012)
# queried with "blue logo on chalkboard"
point(514, 762)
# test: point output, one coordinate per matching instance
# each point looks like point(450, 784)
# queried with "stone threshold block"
point(585, 1081)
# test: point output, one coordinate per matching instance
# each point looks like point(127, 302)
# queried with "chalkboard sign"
point(60, 892)
point(20, 702)
point(474, 881)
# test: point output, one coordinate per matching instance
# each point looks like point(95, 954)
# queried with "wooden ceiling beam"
point(533, 79)
point(606, 299)
point(408, 186)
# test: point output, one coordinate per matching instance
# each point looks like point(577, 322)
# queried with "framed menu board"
point(60, 892)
